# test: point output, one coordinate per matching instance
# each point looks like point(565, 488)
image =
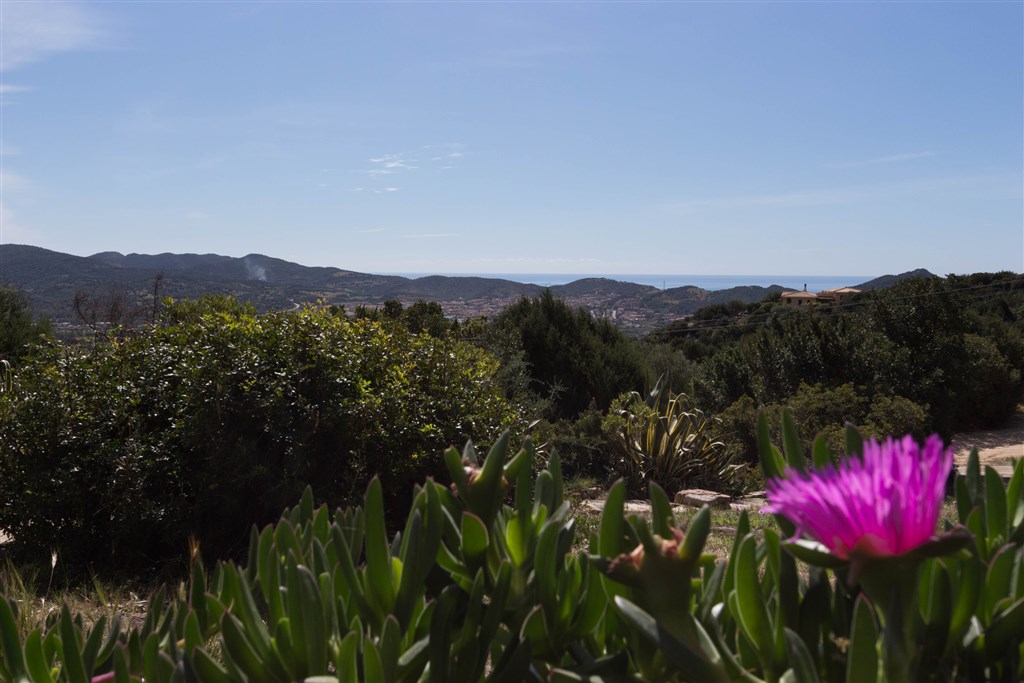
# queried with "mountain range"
point(51, 280)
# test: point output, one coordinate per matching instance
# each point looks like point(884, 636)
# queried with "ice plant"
point(876, 514)
point(885, 503)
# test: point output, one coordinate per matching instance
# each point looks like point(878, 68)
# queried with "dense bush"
point(216, 418)
point(422, 316)
point(952, 347)
point(569, 358)
point(822, 410)
point(582, 445)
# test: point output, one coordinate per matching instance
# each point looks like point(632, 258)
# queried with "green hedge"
point(216, 418)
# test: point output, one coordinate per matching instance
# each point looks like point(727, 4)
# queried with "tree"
point(18, 329)
point(571, 359)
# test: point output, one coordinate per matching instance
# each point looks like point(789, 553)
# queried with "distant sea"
point(815, 283)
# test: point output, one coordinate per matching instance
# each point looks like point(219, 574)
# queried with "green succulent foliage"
point(481, 584)
point(962, 590)
point(989, 620)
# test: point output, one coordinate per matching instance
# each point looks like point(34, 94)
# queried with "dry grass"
point(720, 540)
point(39, 604)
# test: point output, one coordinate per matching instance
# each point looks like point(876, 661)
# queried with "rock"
point(752, 502)
point(630, 507)
point(699, 497)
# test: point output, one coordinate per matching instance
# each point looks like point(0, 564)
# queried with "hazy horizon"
point(584, 138)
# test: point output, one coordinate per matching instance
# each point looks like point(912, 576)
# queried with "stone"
point(752, 502)
point(699, 497)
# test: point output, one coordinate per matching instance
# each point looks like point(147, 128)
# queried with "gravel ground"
point(996, 447)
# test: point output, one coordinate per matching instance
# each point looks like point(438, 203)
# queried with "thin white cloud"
point(447, 161)
point(11, 181)
point(401, 163)
point(389, 164)
point(371, 190)
point(11, 232)
point(851, 194)
point(878, 161)
point(8, 88)
point(32, 30)
point(780, 200)
point(432, 235)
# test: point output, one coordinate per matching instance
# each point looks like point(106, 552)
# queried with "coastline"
point(815, 283)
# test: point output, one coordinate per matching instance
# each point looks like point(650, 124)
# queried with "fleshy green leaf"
point(612, 521)
point(862, 664)
point(13, 659)
point(772, 463)
point(821, 454)
point(793, 447)
point(35, 660)
point(813, 553)
point(753, 613)
point(694, 663)
point(804, 670)
point(697, 534)
point(475, 539)
point(854, 441)
point(378, 555)
point(995, 505)
point(661, 510)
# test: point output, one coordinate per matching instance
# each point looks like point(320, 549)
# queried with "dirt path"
point(995, 446)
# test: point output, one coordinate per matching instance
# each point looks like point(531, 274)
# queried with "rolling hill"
point(51, 280)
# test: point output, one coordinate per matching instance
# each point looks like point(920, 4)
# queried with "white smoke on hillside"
point(255, 271)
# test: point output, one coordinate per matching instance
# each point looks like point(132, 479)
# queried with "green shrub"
point(987, 396)
point(924, 340)
point(581, 443)
point(216, 418)
point(567, 358)
point(824, 411)
point(895, 415)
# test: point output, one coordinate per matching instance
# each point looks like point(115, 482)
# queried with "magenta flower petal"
point(884, 503)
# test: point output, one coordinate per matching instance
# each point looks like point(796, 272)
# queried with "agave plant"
point(663, 438)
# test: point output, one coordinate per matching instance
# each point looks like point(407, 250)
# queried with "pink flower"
point(885, 503)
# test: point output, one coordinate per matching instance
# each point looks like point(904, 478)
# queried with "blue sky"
point(784, 138)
